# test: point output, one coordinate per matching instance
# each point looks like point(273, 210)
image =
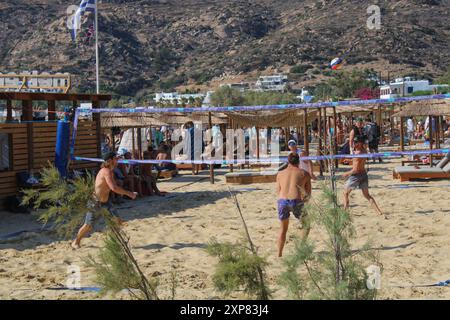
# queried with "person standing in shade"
point(373, 134)
point(357, 133)
point(410, 128)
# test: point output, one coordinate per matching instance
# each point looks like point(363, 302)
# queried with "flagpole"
point(96, 48)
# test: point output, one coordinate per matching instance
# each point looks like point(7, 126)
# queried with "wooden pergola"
point(433, 109)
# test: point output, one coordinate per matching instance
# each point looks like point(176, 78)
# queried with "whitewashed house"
point(403, 87)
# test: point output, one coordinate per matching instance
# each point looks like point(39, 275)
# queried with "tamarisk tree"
point(66, 203)
point(338, 273)
point(240, 266)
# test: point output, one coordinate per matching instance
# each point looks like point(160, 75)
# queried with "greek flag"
point(85, 5)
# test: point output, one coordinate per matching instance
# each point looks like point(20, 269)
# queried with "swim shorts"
point(285, 207)
point(94, 209)
point(360, 180)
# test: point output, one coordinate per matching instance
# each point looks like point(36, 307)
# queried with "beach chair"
point(441, 171)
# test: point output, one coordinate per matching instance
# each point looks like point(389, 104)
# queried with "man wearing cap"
point(304, 164)
point(358, 178)
point(104, 184)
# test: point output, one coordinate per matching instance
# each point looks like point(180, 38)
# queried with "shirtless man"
point(290, 184)
point(358, 178)
point(104, 184)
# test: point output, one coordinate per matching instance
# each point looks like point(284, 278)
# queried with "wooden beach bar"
point(28, 143)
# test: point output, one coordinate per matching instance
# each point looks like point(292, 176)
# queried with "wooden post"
point(27, 110)
point(319, 151)
point(139, 143)
point(9, 116)
point(431, 138)
point(438, 132)
point(335, 142)
point(211, 165)
point(402, 142)
point(27, 115)
point(98, 125)
point(230, 125)
point(380, 124)
point(113, 140)
point(257, 144)
point(391, 125)
point(305, 130)
point(51, 107)
point(133, 144)
point(325, 135)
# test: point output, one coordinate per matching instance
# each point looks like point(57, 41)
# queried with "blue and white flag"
point(85, 5)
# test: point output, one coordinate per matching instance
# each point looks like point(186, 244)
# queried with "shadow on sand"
point(148, 207)
point(175, 246)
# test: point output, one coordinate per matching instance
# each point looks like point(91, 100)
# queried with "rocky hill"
point(163, 44)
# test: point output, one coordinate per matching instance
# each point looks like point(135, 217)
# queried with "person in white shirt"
point(306, 165)
point(410, 128)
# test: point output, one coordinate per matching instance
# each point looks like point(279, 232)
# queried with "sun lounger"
point(249, 177)
point(441, 171)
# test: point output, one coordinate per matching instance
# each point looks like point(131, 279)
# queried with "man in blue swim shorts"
point(291, 182)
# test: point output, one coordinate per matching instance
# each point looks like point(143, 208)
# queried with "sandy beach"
point(171, 233)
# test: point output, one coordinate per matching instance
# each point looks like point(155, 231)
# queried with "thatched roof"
point(277, 119)
point(129, 120)
point(182, 118)
point(425, 108)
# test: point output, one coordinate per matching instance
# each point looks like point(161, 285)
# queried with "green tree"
point(445, 79)
point(239, 265)
point(226, 96)
point(253, 98)
point(191, 101)
point(338, 272)
point(344, 84)
point(66, 203)
point(184, 102)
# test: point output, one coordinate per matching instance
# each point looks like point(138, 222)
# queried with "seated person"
point(131, 180)
point(164, 154)
point(147, 177)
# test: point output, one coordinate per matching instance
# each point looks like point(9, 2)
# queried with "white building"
point(175, 96)
point(35, 82)
point(402, 87)
point(272, 83)
point(304, 96)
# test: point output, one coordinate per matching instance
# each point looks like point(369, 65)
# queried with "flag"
point(85, 5)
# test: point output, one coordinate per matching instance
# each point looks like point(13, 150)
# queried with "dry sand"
point(171, 233)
